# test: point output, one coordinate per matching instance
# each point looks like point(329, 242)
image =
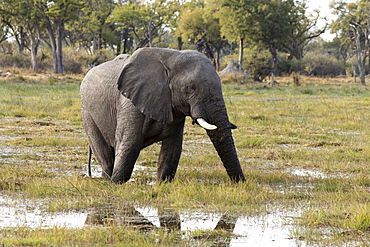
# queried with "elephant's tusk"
point(205, 124)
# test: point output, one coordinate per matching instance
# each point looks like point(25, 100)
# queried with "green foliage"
point(16, 60)
point(192, 24)
point(317, 64)
point(103, 28)
point(258, 63)
point(288, 65)
point(144, 22)
point(270, 24)
point(201, 26)
point(353, 25)
point(91, 25)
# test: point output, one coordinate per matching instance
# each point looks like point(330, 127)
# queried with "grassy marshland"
point(320, 127)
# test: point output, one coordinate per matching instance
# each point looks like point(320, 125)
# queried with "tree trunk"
point(241, 51)
point(179, 43)
point(362, 69)
point(34, 48)
point(150, 30)
point(55, 45)
point(20, 39)
point(361, 49)
point(361, 60)
point(59, 50)
point(125, 40)
point(275, 69)
point(217, 59)
point(97, 41)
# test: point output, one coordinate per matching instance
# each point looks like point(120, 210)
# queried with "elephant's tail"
point(89, 162)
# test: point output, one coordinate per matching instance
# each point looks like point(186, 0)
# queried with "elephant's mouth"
point(198, 115)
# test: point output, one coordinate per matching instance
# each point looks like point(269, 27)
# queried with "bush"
point(76, 62)
point(287, 66)
point(317, 64)
point(258, 63)
point(14, 60)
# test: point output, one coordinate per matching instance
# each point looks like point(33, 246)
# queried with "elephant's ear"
point(144, 80)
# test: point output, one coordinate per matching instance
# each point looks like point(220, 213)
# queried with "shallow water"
point(268, 228)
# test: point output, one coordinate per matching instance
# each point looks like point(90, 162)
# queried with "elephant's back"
point(101, 81)
point(105, 75)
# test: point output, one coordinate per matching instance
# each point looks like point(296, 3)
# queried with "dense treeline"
point(265, 37)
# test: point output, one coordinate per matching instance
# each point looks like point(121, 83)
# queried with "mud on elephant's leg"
point(170, 155)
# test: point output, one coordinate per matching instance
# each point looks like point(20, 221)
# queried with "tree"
point(201, 26)
point(267, 23)
point(341, 53)
point(353, 26)
point(142, 23)
point(176, 7)
point(128, 19)
point(4, 31)
point(235, 22)
point(54, 16)
point(88, 29)
point(304, 29)
point(23, 19)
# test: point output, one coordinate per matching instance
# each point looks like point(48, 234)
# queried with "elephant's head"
point(164, 83)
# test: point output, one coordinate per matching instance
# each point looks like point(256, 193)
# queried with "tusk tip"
point(205, 124)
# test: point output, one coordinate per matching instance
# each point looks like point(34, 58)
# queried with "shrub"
point(258, 63)
point(317, 64)
point(14, 60)
point(287, 66)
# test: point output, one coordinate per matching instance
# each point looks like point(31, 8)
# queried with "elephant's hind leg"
point(103, 152)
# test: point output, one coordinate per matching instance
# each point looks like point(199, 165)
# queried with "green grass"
point(116, 236)
point(40, 98)
point(322, 125)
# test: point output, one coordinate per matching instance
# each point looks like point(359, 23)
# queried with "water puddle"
point(297, 147)
point(307, 173)
point(268, 228)
point(30, 214)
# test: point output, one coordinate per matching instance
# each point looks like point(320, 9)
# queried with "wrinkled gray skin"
point(129, 103)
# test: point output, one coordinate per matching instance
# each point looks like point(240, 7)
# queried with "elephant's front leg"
point(170, 154)
point(129, 139)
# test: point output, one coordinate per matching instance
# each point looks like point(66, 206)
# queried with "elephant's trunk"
point(215, 114)
point(225, 147)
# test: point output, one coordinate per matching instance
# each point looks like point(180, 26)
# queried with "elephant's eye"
point(190, 89)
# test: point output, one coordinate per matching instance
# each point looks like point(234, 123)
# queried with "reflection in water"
point(265, 229)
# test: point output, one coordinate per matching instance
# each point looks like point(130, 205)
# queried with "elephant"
point(131, 102)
